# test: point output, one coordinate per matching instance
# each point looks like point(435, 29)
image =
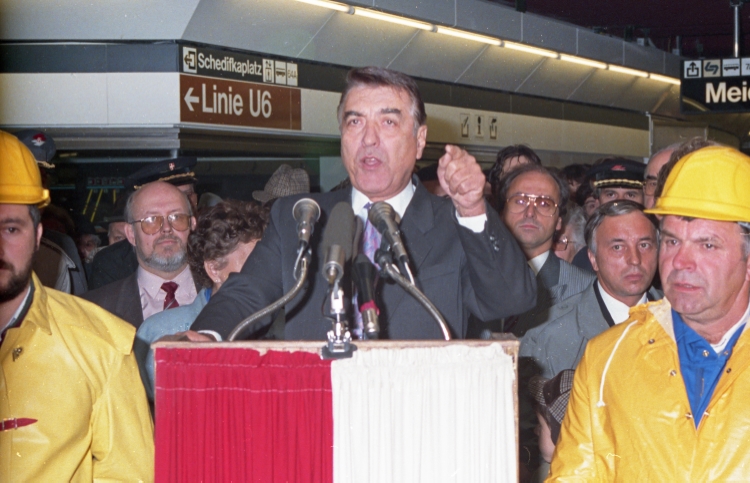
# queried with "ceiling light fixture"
point(531, 50)
point(468, 36)
point(364, 12)
point(326, 4)
point(625, 70)
point(396, 19)
point(663, 78)
point(582, 61)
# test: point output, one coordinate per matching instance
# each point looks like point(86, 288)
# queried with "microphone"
point(383, 218)
point(337, 241)
point(363, 274)
point(306, 212)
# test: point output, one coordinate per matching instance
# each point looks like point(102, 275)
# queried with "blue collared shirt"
point(700, 364)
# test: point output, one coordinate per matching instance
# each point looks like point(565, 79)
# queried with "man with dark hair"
point(508, 159)
point(159, 221)
point(73, 407)
point(533, 202)
point(463, 257)
point(662, 397)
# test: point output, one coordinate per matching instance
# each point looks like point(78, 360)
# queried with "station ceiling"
point(296, 30)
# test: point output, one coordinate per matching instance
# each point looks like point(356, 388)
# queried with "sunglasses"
point(152, 224)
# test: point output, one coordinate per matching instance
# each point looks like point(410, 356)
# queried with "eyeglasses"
point(544, 205)
point(152, 224)
point(649, 187)
point(561, 244)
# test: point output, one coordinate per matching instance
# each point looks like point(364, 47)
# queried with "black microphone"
point(363, 274)
point(383, 218)
point(337, 241)
point(306, 212)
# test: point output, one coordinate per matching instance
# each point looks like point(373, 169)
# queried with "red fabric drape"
point(233, 415)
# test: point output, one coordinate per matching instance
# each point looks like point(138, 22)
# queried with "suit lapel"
point(415, 226)
point(129, 300)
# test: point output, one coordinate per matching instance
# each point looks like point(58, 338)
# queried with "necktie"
point(370, 243)
point(370, 238)
point(170, 301)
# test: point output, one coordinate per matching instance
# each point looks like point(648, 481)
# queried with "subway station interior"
point(248, 86)
point(109, 84)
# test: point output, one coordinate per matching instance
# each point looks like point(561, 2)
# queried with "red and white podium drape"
point(273, 412)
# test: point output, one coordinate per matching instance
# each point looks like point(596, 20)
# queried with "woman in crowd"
point(224, 237)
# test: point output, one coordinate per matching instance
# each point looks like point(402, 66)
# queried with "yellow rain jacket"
point(631, 421)
point(70, 366)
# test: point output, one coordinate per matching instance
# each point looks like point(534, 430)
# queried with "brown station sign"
point(218, 101)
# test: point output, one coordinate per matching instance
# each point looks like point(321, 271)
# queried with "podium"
point(396, 411)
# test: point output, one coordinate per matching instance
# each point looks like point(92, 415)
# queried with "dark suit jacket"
point(112, 263)
point(460, 272)
point(121, 297)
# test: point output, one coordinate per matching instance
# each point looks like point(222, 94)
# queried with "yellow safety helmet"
point(20, 181)
point(712, 183)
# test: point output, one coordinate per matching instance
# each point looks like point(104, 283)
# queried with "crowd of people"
point(627, 284)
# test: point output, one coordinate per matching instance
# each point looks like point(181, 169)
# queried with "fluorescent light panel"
point(326, 4)
point(582, 61)
point(364, 12)
point(625, 70)
point(531, 50)
point(663, 78)
point(467, 35)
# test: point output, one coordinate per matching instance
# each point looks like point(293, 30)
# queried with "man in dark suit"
point(533, 206)
point(462, 255)
point(159, 221)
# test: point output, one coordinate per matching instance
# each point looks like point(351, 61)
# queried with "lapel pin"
point(17, 353)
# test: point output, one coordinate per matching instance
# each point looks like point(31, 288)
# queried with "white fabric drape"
point(437, 414)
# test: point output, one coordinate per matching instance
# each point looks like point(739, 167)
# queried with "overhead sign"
point(235, 65)
point(227, 102)
point(715, 85)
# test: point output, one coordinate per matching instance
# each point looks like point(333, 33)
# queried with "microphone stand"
point(389, 271)
point(339, 345)
point(301, 268)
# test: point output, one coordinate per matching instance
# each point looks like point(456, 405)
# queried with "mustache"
point(168, 237)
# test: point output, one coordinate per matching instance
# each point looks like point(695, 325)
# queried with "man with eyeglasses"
point(160, 219)
point(532, 202)
point(659, 159)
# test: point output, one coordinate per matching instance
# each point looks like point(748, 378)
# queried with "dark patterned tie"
point(170, 301)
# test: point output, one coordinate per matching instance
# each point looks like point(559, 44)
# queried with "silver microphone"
point(306, 213)
point(383, 218)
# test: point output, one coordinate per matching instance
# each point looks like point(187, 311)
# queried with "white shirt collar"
point(718, 347)
point(617, 310)
point(538, 262)
point(399, 202)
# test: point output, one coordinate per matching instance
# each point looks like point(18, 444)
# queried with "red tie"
point(170, 301)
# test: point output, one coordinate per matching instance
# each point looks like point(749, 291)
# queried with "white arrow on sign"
point(190, 100)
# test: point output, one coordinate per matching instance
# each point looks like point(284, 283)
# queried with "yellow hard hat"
point(712, 183)
point(20, 181)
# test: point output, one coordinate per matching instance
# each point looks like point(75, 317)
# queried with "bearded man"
point(159, 220)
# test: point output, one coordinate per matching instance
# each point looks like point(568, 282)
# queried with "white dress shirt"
point(618, 310)
point(152, 296)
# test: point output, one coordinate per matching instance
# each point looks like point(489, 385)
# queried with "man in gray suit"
point(532, 200)
point(622, 243)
